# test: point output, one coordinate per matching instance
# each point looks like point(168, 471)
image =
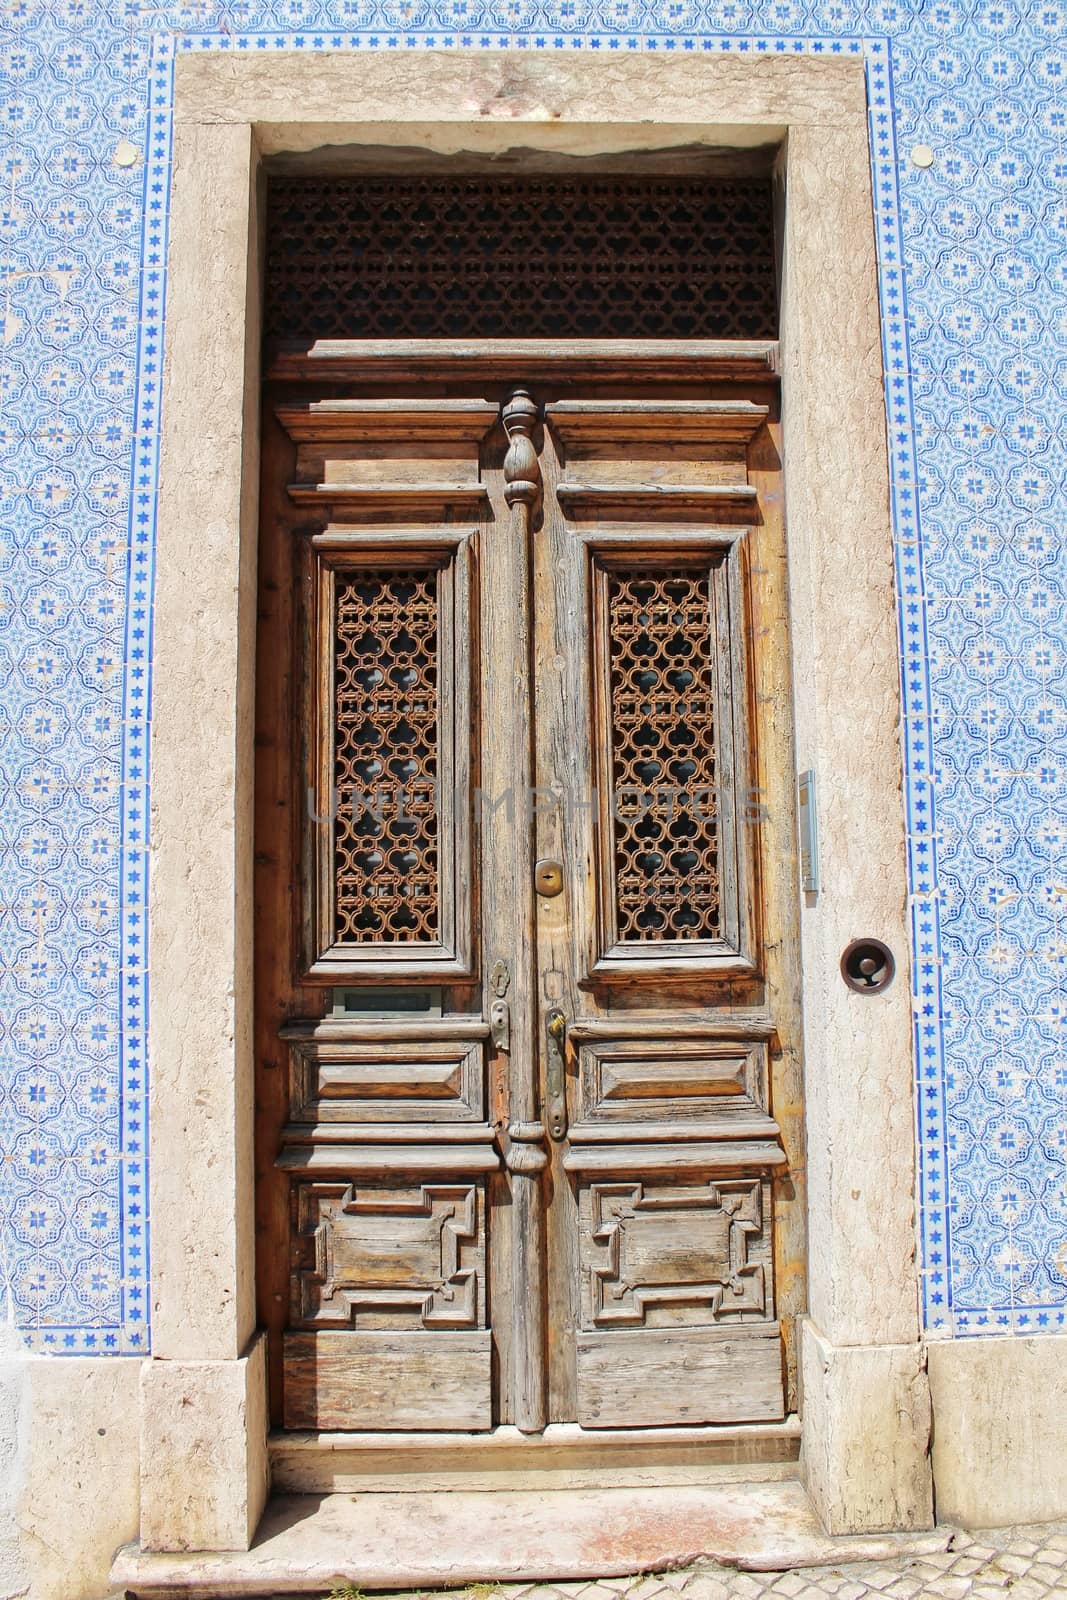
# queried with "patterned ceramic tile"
point(974, 298)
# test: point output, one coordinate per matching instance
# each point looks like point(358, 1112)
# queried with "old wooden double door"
point(528, 1097)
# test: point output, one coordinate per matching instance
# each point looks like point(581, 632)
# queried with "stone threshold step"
point(311, 1544)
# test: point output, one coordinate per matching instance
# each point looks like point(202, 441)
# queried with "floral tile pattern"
point(973, 253)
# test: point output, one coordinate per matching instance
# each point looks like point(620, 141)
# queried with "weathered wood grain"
point(686, 1375)
point(401, 420)
point(492, 361)
point(664, 423)
point(727, 1156)
point(364, 1157)
point(438, 1379)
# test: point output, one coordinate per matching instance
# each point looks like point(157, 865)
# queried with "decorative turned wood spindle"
point(524, 1142)
point(522, 469)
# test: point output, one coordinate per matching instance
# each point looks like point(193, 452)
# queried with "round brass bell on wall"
point(868, 966)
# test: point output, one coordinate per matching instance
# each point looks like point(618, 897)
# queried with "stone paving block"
point(930, 1567)
point(747, 1585)
point(1028, 1588)
point(709, 1586)
point(790, 1583)
point(1045, 1571)
point(1017, 1565)
point(879, 1578)
point(905, 1588)
point(827, 1580)
point(950, 1588)
point(966, 1566)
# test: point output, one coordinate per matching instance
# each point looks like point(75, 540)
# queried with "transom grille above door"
point(546, 258)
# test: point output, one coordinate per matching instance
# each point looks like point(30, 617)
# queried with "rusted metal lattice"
point(386, 757)
point(488, 257)
point(663, 755)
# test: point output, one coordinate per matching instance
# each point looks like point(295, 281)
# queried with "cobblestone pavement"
point(999, 1564)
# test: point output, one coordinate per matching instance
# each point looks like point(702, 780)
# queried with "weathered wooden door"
point(529, 1108)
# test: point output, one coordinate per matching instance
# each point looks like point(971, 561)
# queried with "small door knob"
point(548, 878)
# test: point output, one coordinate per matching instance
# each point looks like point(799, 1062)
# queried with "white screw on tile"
point(126, 154)
point(921, 155)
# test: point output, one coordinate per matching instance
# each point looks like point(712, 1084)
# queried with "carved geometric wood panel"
point(489, 257)
point(376, 1256)
point(658, 1254)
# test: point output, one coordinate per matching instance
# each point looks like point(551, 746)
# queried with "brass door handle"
point(556, 1072)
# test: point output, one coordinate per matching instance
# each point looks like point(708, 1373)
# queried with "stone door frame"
point(865, 1401)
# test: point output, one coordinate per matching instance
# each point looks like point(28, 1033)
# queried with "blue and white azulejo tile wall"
point(973, 261)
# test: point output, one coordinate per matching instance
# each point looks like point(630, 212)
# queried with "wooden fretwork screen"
point(544, 258)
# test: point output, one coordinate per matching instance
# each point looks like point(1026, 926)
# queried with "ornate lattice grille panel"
point(663, 764)
point(476, 257)
point(386, 756)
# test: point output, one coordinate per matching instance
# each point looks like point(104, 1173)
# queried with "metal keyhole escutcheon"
point(548, 878)
point(868, 966)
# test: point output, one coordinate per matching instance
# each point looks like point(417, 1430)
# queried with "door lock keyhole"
point(548, 878)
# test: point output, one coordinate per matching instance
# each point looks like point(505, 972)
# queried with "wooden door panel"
point(538, 647)
point(376, 1254)
point(678, 1313)
point(398, 1264)
point(658, 1252)
point(685, 1376)
point(408, 1382)
point(338, 1077)
point(642, 1088)
point(672, 1150)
